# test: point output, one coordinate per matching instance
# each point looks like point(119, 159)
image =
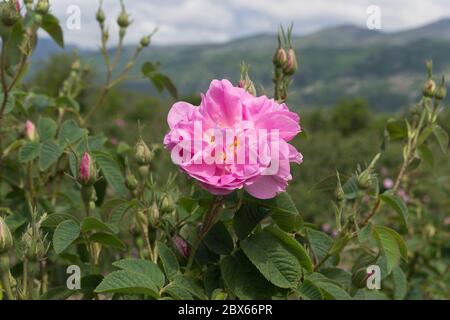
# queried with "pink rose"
point(234, 140)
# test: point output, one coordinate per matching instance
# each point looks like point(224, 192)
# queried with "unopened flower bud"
point(248, 86)
point(339, 191)
point(142, 218)
point(42, 7)
point(30, 131)
point(365, 178)
point(131, 181)
point(87, 173)
point(9, 13)
point(6, 240)
point(145, 41)
point(100, 16)
point(441, 91)
point(429, 88)
point(124, 19)
point(291, 64)
point(280, 57)
point(154, 214)
point(182, 246)
point(143, 155)
point(166, 204)
point(76, 65)
point(17, 4)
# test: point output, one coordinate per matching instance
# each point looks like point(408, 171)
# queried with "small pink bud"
point(87, 174)
point(30, 131)
point(388, 183)
point(291, 64)
point(16, 2)
point(280, 57)
point(182, 246)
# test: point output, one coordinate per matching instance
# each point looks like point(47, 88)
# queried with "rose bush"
point(71, 197)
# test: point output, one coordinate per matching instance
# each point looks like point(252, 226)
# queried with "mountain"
point(387, 69)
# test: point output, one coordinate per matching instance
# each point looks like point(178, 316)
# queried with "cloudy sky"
point(196, 21)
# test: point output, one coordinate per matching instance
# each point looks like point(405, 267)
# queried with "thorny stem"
point(209, 219)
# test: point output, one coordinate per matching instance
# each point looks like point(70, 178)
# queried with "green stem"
point(4, 270)
point(208, 221)
point(25, 278)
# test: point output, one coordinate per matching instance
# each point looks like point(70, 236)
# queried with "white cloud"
point(195, 21)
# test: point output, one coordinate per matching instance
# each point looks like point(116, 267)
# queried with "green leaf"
point(309, 291)
point(51, 25)
point(149, 68)
point(272, 259)
point(169, 260)
point(177, 292)
point(332, 291)
point(442, 137)
point(282, 210)
point(69, 133)
point(10, 103)
point(397, 129)
point(320, 243)
point(350, 188)
point(218, 239)
point(391, 244)
point(68, 102)
point(108, 240)
point(29, 151)
point(112, 172)
point(65, 234)
point(189, 285)
point(144, 267)
point(400, 283)
point(49, 154)
point(95, 224)
point(54, 219)
point(293, 246)
point(59, 293)
point(40, 102)
point(127, 282)
point(247, 218)
point(46, 128)
point(243, 279)
point(426, 155)
point(397, 204)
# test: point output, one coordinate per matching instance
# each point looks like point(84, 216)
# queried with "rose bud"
point(429, 88)
point(16, 2)
point(30, 131)
point(280, 57)
point(87, 174)
point(42, 7)
point(441, 92)
point(143, 155)
point(9, 13)
point(291, 64)
point(124, 19)
point(131, 182)
point(145, 41)
point(100, 16)
point(182, 246)
point(6, 240)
